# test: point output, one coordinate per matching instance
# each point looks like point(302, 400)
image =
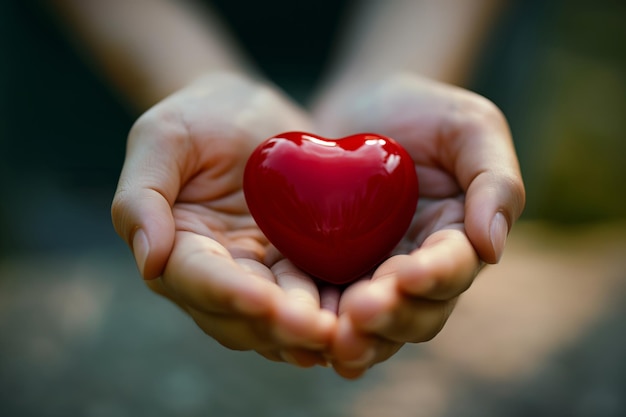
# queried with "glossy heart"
point(335, 207)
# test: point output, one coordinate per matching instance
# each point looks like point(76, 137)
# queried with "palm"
point(212, 204)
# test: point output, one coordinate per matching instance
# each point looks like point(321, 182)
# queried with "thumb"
point(488, 170)
point(148, 186)
point(493, 203)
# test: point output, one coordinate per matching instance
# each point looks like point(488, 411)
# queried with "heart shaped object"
point(335, 207)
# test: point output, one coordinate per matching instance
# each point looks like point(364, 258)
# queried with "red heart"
point(334, 207)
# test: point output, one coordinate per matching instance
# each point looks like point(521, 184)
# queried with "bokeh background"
point(540, 334)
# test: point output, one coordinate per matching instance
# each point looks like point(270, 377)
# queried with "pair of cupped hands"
point(181, 208)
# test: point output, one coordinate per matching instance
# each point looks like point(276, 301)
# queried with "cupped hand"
point(471, 193)
point(180, 206)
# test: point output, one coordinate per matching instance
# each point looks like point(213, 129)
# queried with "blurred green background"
point(558, 70)
point(80, 335)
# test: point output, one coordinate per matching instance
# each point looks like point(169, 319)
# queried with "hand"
point(471, 193)
point(180, 207)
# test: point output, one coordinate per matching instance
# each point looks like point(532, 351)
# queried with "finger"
point(298, 286)
point(243, 333)
point(202, 274)
point(255, 268)
point(410, 297)
point(493, 204)
point(354, 352)
point(301, 321)
point(481, 152)
point(147, 188)
point(236, 332)
point(441, 269)
point(379, 308)
point(298, 357)
point(303, 358)
point(298, 325)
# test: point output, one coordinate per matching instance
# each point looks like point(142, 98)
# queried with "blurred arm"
point(148, 49)
point(438, 39)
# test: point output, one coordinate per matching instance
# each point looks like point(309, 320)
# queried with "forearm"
point(148, 49)
point(438, 39)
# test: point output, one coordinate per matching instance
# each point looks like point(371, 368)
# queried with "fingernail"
point(362, 362)
point(141, 248)
point(498, 232)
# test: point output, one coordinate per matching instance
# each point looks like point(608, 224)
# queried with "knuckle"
point(472, 112)
point(162, 125)
point(481, 109)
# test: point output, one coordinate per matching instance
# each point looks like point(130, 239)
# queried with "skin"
point(182, 183)
point(468, 200)
point(179, 203)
